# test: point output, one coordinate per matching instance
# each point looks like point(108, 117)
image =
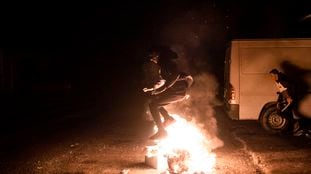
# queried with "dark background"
point(62, 59)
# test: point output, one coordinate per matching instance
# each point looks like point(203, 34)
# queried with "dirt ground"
point(95, 145)
point(92, 146)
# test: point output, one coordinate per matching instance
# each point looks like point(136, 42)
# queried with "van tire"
point(272, 121)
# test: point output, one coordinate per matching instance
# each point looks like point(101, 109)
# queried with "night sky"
point(96, 50)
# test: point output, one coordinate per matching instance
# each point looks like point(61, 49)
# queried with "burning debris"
point(177, 161)
point(184, 150)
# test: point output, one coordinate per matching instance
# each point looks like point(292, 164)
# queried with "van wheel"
point(273, 121)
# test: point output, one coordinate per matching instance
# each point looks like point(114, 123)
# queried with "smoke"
point(199, 108)
point(198, 37)
point(195, 38)
point(195, 57)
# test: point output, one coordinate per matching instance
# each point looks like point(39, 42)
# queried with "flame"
point(186, 143)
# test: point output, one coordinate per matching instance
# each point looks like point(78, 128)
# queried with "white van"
point(250, 93)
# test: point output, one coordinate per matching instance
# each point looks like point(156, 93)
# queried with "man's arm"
point(167, 85)
point(288, 98)
point(158, 85)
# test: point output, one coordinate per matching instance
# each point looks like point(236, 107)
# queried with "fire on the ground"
point(184, 150)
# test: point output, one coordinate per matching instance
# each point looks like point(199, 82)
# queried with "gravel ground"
point(100, 146)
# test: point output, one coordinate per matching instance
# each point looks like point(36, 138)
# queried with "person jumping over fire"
point(165, 84)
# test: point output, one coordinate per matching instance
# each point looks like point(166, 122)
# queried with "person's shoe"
point(169, 122)
point(308, 134)
point(159, 135)
point(298, 133)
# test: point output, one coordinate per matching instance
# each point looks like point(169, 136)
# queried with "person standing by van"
point(286, 90)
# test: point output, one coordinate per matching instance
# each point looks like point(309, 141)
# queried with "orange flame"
point(184, 136)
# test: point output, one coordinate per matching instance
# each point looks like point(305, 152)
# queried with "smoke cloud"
point(199, 107)
point(195, 58)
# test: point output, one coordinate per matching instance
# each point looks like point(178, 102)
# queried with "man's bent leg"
point(156, 106)
point(156, 118)
point(168, 120)
point(164, 113)
point(154, 110)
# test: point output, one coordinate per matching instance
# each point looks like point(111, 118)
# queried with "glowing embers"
point(185, 150)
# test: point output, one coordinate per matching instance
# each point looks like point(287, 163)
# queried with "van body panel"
point(247, 73)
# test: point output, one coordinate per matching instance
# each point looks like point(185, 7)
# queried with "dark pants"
point(157, 103)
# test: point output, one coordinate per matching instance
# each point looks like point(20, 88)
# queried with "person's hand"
point(159, 84)
point(289, 100)
point(147, 90)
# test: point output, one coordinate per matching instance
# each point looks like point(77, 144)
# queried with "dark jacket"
point(152, 74)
